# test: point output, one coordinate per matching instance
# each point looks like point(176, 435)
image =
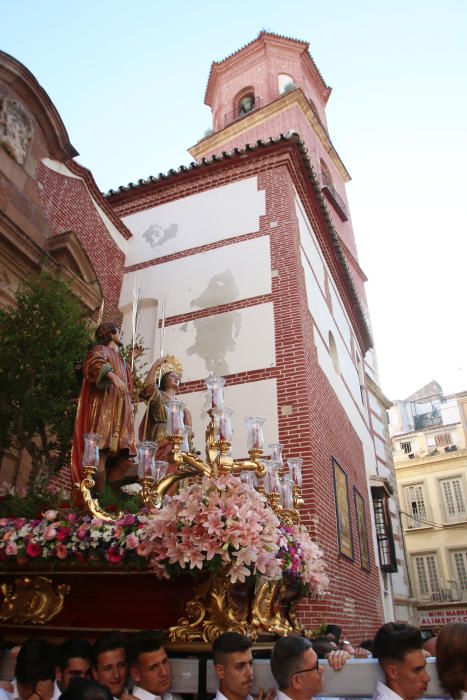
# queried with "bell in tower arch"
point(246, 104)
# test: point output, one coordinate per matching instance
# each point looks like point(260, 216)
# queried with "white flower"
point(50, 515)
point(131, 489)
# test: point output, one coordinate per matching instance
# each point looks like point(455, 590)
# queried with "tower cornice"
point(214, 142)
point(264, 41)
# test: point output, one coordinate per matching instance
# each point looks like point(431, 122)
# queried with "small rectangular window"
point(416, 513)
point(426, 568)
point(460, 564)
point(384, 532)
point(443, 439)
point(406, 447)
point(453, 499)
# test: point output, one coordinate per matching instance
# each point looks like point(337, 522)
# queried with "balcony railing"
point(428, 420)
point(334, 197)
point(232, 116)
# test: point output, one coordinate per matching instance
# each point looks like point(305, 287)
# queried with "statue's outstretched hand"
point(118, 383)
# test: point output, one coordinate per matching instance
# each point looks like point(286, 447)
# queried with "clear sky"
point(128, 79)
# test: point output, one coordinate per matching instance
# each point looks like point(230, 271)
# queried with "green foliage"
point(115, 502)
point(30, 505)
point(42, 337)
point(139, 366)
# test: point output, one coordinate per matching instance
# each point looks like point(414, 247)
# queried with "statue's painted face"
point(171, 381)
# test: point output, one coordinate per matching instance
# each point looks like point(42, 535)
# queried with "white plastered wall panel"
point(309, 245)
point(340, 316)
point(236, 341)
point(211, 278)
point(260, 398)
point(378, 426)
point(315, 269)
point(325, 323)
point(197, 220)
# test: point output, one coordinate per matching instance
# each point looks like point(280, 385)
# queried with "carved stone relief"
point(15, 129)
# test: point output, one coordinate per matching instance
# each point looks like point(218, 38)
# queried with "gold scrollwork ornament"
point(32, 600)
point(218, 606)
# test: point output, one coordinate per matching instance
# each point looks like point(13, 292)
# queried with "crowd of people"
point(138, 668)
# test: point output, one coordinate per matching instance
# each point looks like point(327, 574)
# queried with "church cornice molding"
point(284, 102)
point(24, 86)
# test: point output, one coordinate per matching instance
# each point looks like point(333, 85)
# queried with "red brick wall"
point(318, 428)
point(69, 207)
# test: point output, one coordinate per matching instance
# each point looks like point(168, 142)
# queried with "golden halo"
point(171, 364)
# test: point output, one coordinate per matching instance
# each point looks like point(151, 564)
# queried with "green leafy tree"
point(42, 338)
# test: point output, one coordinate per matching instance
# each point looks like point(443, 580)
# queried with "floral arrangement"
point(302, 560)
point(214, 524)
point(72, 538)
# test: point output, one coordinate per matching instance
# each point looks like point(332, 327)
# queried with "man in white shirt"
point(233, 666)
point(34, 671)
point(109, 666)
point(149, 666)
point(398, 647)
point(73, 660)
point(295, 668)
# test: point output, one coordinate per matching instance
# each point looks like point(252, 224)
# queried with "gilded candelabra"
point(283, 491)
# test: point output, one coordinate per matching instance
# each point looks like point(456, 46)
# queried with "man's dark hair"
point(229, 643)
point(85, 689)
point(367, 644)
point(108, 642)
point(143, 643)
point(286, 658)
point(394, 640)
point(104, 332)
point(72, 649)
point(35, 662)
point(322, 646)
point(335, 631)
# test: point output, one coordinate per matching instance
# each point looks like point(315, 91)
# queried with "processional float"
point(267, 608)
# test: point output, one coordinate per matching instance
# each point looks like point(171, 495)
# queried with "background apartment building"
point(428, 431)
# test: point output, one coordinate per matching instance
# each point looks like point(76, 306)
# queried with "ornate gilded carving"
point(266, 610)
point(274, 608)
point(32, 600)
point(15, 129)
point(86, 486)
point(218, 606)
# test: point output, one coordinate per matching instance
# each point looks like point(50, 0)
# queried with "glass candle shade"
point(160, 470)
point(215, 387)
point(174, 409)
point(249, 478)
point(223, 423)
point(271, 480)
point(295, 470)
point(146, 453)
point(275, 450)
point(185, 445)
point(255, 439)
point(287, 492)
point(91, 449)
